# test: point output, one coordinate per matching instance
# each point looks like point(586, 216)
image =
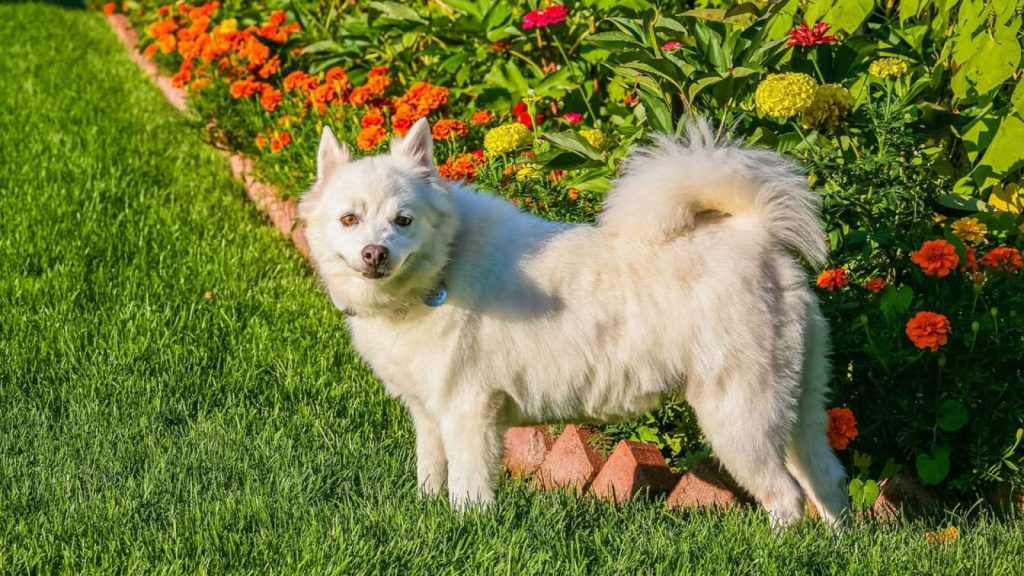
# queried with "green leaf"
point(843, 15)
point(573, 142)
point(321, 47)
point(963, 203)
point(857, 492)
point(952, 415)
point(933, 468)
point(397, 11)
point(870, 493)
point(658, 113)
point(1017, 99)
point(1004, 155)
point(895, 301)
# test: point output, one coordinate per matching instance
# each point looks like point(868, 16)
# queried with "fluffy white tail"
point(665, 186)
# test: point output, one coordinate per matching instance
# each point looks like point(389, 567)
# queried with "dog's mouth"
point(376, 273)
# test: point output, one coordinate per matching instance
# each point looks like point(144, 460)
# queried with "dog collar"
point(437, 296)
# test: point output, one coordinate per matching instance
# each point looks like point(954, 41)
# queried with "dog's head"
point(379, 228)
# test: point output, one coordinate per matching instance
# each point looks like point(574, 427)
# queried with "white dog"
point(479, 317)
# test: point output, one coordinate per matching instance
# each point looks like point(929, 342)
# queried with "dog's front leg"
point(431, 464)
point(473, 444)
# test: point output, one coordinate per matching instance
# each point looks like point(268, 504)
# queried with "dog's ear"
point(417, 146)
point(331, 154)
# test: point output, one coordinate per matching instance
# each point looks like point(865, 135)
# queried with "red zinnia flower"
point(875, 284)
point(1003, 259)
point(936, 258)
point(832, 279)
point(805, 37)
point(842, 427)
point(545, 17)
point(522, 114)
point(928, 330)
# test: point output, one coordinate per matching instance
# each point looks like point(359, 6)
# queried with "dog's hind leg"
point(808, 456)
point(748, 427)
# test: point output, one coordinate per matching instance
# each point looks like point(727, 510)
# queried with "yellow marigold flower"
point(831, 104)
point(970, 230)
point(888, 68)
point(229, 25)
point(506, 138)
point(596, 138)
point(527, 172)
point(783, 95)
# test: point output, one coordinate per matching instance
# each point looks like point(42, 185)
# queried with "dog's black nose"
point(374, 254)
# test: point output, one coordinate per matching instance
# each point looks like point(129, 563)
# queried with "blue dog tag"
point(437, 296)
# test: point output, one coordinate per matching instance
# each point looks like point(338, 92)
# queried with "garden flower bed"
point(909, 120)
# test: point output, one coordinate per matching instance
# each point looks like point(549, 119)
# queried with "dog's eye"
point(403, 220)
point(349, 220)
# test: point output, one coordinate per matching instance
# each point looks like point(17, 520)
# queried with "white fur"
point(686, 286)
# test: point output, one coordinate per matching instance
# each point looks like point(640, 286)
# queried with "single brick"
point(707, 485)
point(525, 449)
point(572, 464)
point(633, 467)
point(902, 495)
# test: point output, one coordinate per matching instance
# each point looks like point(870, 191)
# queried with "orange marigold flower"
point(245, 88)
point(424, 97)
point(449, 128)
point(369, 137)
point(184, 75)
point(360, 96)
point(842, 427)
point(301, 81)
point(833, 279)
point(261, 141)
point(875, 284)
point(271, 98)
point(404, 117)
point(936, 258)
point(481, 117)
point(462, 166)
point(337, 79)
point(1003, 259)
point(109, 8)
point(377, 71)
point(928, 330)
point(270, 67)
point(167, 42)
point(373, 117)
point(944, 536)
point(279, 141)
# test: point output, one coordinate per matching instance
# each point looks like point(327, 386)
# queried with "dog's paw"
point(463, 501)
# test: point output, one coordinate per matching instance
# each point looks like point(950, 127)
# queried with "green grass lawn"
point(146, 428)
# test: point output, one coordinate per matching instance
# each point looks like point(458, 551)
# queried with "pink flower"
point(545, 17)
point(806, 37)
point(572, 118)
point(671, 45)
